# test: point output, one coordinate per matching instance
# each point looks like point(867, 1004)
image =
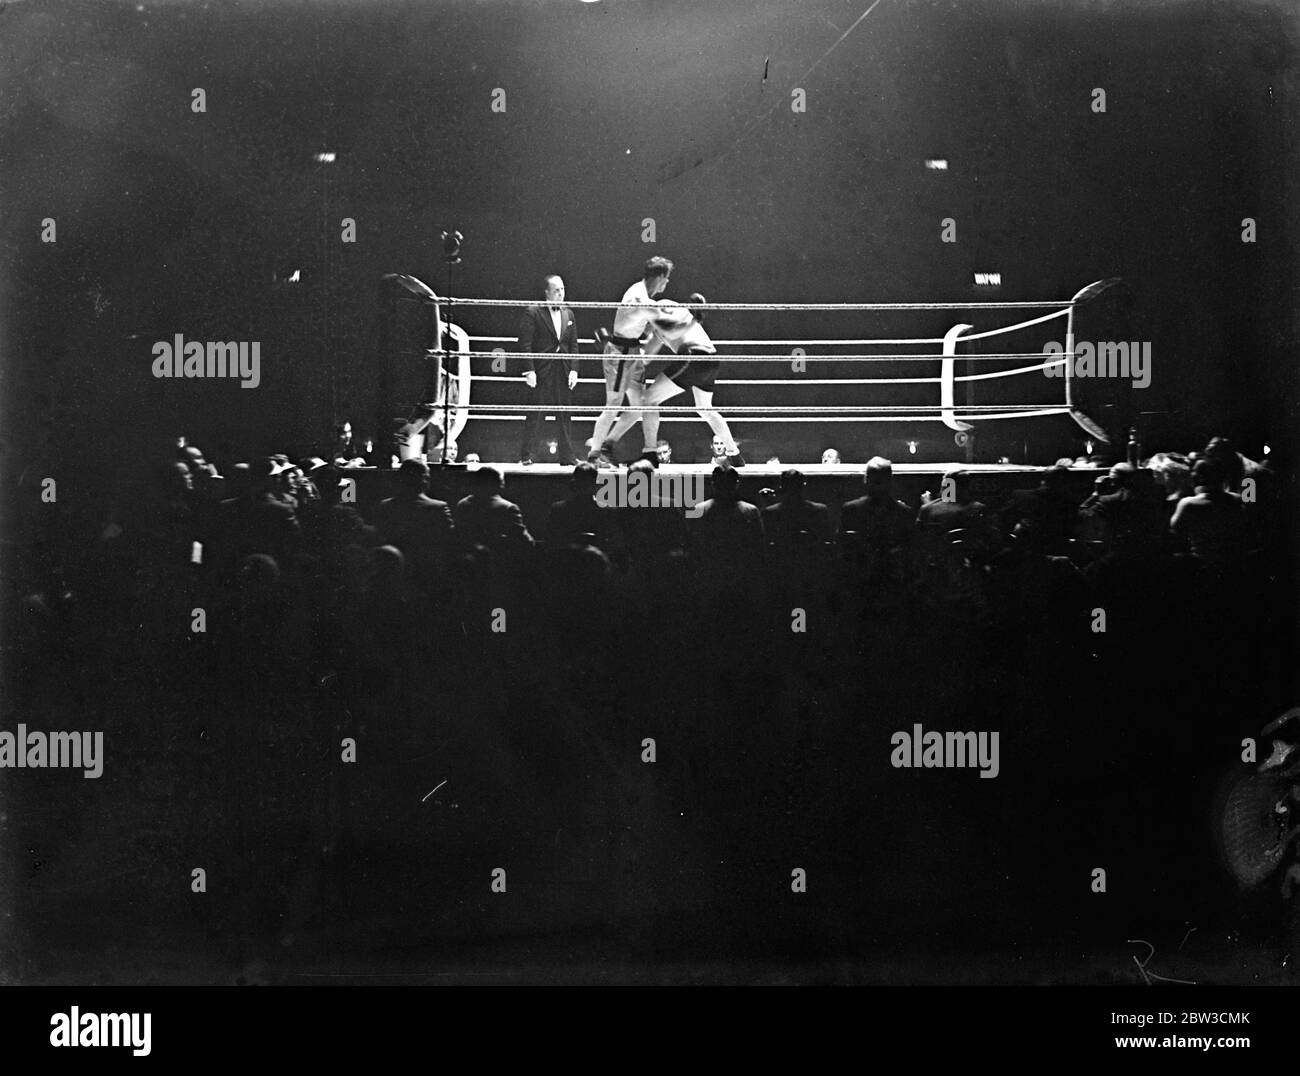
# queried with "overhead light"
point(937, 165)
point(324, 158)
point(988, 280)
point(911, 447)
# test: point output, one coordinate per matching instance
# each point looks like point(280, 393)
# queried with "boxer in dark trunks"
point(624, 361)
point(681, 329)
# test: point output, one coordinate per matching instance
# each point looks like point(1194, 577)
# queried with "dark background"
point(171, 221)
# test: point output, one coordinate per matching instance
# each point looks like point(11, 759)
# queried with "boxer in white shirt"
point(681, 329)
point(624, 357)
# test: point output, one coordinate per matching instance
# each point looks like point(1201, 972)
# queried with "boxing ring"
point(450, 406)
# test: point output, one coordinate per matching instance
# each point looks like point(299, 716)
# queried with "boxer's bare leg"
point(605, 420)
point(718, 424)
point(614, 365)
point(642, 397)
point(664, 388)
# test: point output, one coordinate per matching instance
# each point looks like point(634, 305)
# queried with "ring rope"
point(840, 342)
point(945, 412)
point(802, 381)
point(826, 307)
point(761, 409)
point(669, 356)
point(694, 417)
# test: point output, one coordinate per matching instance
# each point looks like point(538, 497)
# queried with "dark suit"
point(725, 529)
point(791, 514)
point(493, 522)
point(881, 523)
point(580, 514)
point(1125, 517)
point(537, 334)
point(1054, 513)
point(418, 525)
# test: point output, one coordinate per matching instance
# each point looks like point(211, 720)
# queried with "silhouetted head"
point(486, 481)
point(1210, 474)
point(239, 479)
point(389, 567)
point(192, 456)
point(879, 476)
point(413, 476)
point(1123, 475)
point(578, 568)
point(1056, 479)
point(792, 481)
point(1220, 447)
point(264, 474)
point(1172, 473)
point(584, 477)
point(1223, 450)
point(259, 573)
point(726, 483)
point(956, 486)
point(176, 479)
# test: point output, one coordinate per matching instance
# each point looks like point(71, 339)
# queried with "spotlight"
point(451, 242)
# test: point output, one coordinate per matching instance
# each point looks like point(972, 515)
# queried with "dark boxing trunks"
point(693, 372)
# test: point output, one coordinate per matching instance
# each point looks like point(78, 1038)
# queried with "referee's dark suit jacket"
point(537, 333)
